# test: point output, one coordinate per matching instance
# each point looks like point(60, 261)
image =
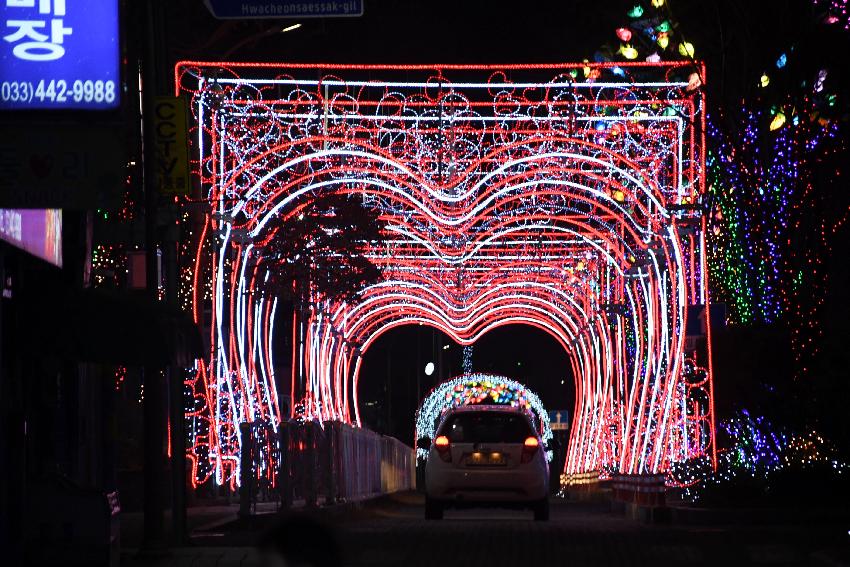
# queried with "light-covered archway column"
point(511, 194)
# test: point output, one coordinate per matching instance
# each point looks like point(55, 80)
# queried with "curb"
point(694, 516)
point(642, 513)
point(299, 507)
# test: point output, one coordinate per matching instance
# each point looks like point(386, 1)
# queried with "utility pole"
point(389, 392)
point(153, 415)
point(418, 363)
point(176, 400)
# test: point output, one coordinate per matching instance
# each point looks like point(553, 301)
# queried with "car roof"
point(484, 408)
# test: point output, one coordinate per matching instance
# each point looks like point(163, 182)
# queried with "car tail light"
point(443, 448)
point(529, 447)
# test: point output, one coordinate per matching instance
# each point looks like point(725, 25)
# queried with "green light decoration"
point(483, 389)
point(635, 12)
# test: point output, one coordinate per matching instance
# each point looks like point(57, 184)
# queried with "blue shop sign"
point(59, 54)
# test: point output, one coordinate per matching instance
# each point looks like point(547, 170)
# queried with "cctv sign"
point(59, 54)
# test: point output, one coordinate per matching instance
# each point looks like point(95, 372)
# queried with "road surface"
point(392, 532)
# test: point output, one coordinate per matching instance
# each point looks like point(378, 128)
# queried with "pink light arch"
point(510, 194)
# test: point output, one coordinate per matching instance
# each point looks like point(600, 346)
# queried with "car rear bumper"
point(490, 485)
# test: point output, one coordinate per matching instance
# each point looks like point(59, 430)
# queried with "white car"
point(486, 456)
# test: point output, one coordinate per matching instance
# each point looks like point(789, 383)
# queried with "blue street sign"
point(58, 54)
point(266, 9)
point(559, 419)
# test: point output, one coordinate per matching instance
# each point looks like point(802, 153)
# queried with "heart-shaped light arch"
point(567, 228)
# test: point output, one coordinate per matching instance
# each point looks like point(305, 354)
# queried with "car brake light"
point(529, 447)
point(443, 446)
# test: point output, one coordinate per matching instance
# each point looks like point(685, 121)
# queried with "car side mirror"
point(423, 443)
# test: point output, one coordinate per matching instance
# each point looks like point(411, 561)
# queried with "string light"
point(756, 451)
point(778, 121)
point(636, 11)
point(837, 12)
point(467, 359)
point(763, 265)
point(686, 49)
point(475, 389)
point(628, 51)
point(120, 376)
point(508, 199)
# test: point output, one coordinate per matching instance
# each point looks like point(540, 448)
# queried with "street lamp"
point(429, 369)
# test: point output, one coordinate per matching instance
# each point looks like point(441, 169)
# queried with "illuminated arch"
point(511, 194)
point(459, 390)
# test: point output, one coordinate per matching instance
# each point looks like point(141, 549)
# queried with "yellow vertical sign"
point(171, 149)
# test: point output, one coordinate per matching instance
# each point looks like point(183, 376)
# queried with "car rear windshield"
point(486, 427)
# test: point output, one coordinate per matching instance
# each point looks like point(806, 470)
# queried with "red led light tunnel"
point(566, 197)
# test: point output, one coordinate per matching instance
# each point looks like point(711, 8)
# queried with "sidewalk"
point(217, 535)
point(198, 518)
point(196, 557)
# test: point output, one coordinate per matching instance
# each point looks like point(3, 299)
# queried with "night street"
point(323, 283)
point(392, 531)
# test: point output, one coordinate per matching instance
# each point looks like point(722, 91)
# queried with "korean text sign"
point(59, 54)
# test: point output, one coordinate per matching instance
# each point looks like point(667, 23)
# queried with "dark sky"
point(388, 376)
point(737, 39)
point(408, 31)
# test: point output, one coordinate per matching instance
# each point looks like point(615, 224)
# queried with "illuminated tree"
point(320, 253)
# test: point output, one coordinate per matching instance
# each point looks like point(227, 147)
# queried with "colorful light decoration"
point(838, 12)
point(628, 51)
point(767, 250)
point(756, 450)
point(505, 202)
point(778, 121)
point(636, 11)
point(763, 264)
point(653, 28)
point(477, 388)
point(467, 359)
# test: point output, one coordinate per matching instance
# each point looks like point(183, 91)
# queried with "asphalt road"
point(395, 533)
point(392, 531)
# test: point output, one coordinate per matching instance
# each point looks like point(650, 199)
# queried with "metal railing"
point(314, 463)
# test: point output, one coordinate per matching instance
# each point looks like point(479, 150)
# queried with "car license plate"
point(486, 459)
